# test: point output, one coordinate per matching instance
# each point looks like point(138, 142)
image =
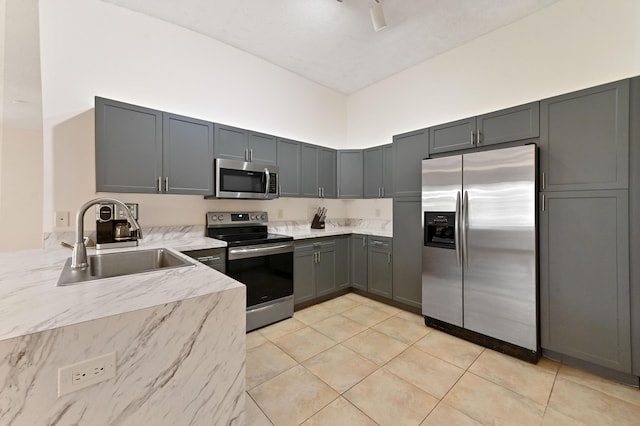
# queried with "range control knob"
point(253, 217)
point(264, 216)
point(220, 217)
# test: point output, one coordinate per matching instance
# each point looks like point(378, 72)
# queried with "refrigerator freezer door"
point(500, 271)
point(441, 269)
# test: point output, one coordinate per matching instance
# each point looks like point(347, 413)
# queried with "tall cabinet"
point(584, 226)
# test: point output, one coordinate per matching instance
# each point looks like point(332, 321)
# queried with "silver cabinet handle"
point(543, 182)
point(251, 154)
point(456, 228)
point(268, 178)
point(166, 184)
point(318, 257)
point(159, 183)
point(465, 228)
point(472, 138)
point(319, 192)
point(479, 137)
point(543, 203)
point(246, 154)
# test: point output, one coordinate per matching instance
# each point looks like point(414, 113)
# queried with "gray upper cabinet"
point(378, 171)
point(237, 144)
point(350, 173)
point(289, 166)
point(187, 155)
point(512, 124)
point(452, 136)
point(584, 285)
point(409, 150)
point(262, 148)
point(584, 139)
point(407, 251)
point(146, 151)
point(507, 125)
point(317, 171)
point(359, 261)
point(380, 266)
point(128, 147)
point(327, 163)
point(230, 143)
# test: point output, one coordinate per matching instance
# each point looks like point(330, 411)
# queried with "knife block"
point(316, 224)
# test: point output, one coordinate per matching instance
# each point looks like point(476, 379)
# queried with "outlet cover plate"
point(86, 373)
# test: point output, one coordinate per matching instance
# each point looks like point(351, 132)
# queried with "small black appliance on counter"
point(112, 227)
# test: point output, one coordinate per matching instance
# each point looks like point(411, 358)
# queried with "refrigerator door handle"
point(465, 228)
point(456, 231)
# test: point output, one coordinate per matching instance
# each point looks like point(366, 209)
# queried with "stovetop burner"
point(238, 229)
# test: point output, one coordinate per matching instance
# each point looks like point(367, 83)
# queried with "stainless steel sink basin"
point(121, 263)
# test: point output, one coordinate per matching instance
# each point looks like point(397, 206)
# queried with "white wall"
point(568, 46)
point(93, 48)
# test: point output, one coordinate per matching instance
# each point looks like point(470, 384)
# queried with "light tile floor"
point(356, 361)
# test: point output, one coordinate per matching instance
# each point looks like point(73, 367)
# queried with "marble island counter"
point(178, 337)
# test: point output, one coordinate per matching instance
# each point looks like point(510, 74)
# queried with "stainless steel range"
point(261, 261)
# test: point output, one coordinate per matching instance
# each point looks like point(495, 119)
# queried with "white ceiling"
point(333, 43)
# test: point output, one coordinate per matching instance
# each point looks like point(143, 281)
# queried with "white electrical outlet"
point(62, 219)
point(86, 373)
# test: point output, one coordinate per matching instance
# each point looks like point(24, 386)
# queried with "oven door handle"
point(245, 252)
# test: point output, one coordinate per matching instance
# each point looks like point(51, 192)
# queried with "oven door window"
point(232, 180)
point(266, 277)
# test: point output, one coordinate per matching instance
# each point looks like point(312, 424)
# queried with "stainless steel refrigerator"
point(479, 258)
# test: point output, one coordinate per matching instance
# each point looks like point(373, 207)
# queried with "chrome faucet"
point(79, 255)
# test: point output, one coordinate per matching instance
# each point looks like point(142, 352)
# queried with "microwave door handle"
point(268, 178)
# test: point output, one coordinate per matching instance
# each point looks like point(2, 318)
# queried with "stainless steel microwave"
point(240, 179)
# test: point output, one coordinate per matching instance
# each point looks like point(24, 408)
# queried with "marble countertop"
point(31, 302)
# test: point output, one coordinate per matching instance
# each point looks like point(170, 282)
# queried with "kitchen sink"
point(121, 263)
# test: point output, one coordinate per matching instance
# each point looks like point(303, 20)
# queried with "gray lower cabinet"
point(378, 171)
point(315, 268)
point(409, 149)
point(584, 139)
point(350, 173)
point(343, 264)
point(359, 261)
point(584, 268)
point(232, 143)
point(507, 125)
point(142, 150)
point(317, 171)
point(379, 266)
point(407, 252)
point(289, 167)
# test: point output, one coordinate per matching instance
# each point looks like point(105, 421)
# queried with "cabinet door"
point(326, 270)
point(584, 265)
point(387, 171)
point(452, 136)
point(373, 172)
point(128, 147)
point(350, 174)
point(309, 171)
point(512, 124)
point(304, 282)
point(407, 252)
point(187, 155)
point(359, 261)
point(231, 143)
point(409, 151)
point(327, 162)
point(380, 270)
point(584, 139)
point(289, 167)
point(342, 262)
point(262, 148)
